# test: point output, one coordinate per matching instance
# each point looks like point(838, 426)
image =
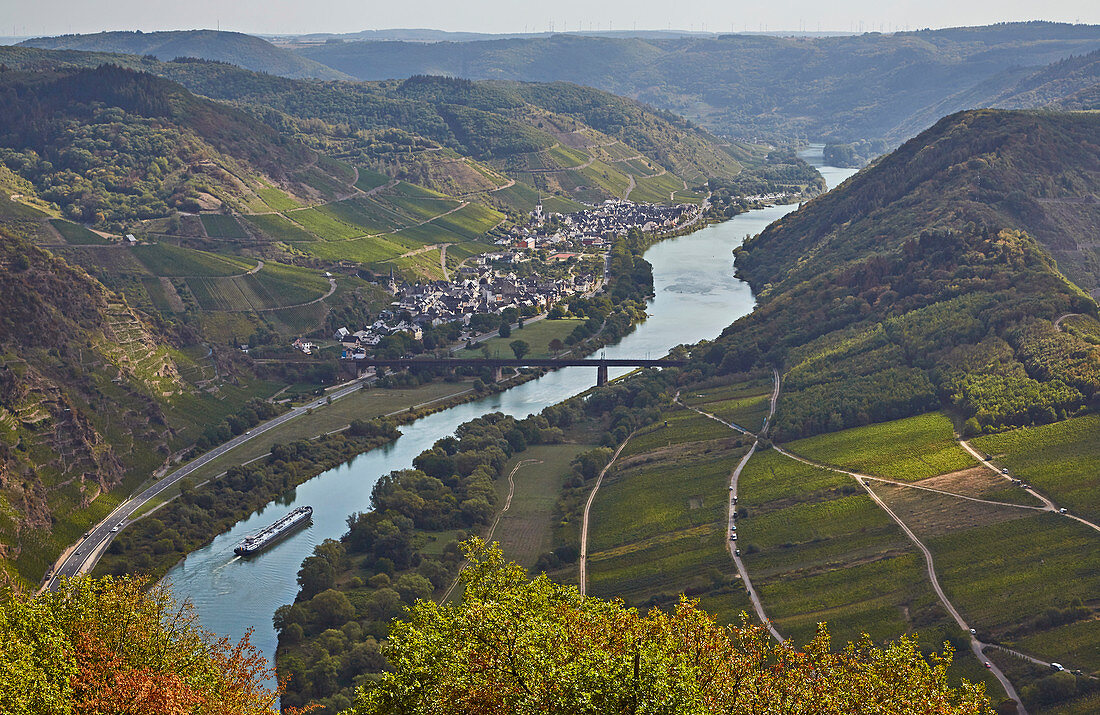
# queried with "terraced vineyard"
point(280, 228)
point(1061, 460)
point(221, 226)
point(909, 449)
point(657, 526)
point(165, 259)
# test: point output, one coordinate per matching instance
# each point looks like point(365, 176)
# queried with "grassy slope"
point(1061, 460)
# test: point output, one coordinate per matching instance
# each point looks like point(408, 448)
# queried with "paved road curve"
point(83, 555)
point(731, 511)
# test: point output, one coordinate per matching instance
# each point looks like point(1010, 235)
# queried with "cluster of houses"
point(598, 225)
point(481, 288)
point(478, 289)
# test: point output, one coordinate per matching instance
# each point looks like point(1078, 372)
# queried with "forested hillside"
point(928, 278)
point(234, 47)
point(838, 89)
point(464, 138)
point(110, 144)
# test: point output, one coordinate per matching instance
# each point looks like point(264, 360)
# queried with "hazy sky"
point(51, 17)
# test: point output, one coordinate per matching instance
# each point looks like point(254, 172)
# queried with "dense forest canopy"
point(110, 143)
point(234, 47)
point(517, 645)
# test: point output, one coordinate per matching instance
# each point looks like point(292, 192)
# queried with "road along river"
point(697, 296)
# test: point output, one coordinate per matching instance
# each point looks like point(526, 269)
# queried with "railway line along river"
point(697, 296)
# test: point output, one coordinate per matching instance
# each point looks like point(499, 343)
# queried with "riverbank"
point(692, 276)
point(628, 278)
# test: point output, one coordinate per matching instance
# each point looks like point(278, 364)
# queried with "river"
point(697, 296)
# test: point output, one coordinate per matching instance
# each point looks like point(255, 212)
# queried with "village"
point(540, 264)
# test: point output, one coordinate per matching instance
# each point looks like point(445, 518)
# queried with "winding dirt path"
point(496, 521)
point(584, 522)
point(731, 509)
point(1049, 505)
point(331, 290)
point(976, 645)
point(1063, 316)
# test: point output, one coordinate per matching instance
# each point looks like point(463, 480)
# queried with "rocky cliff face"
point(81, 380)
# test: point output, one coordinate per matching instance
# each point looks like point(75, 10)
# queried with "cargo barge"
point(267, 536)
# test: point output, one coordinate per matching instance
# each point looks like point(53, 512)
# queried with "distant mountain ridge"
point(841, 89)
point(233, 47)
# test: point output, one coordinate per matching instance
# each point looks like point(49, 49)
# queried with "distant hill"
point(110, 144)
point(930, 278)
point(558, 138)
point(839, 89)
point(1072, 83)
point(233, 47)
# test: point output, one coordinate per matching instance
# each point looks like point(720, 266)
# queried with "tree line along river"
point(697, 296)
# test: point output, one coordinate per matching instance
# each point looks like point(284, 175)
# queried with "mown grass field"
point(907, 450)
point(1002, 575)
point(1061, 460)
point(526, 530)
point(280, 228)
point(222, 226)
point(76, 234)
point(537, 334)
point(165, 259)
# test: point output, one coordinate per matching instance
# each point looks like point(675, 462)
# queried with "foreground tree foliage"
point(532, 646)
point(107, 646)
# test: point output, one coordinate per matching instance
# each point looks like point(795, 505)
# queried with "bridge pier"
point(498, 373)
point(601, 375)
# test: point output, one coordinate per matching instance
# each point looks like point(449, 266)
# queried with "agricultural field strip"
point(1050, 505)
point(493, 528)
point(941, 491)
point(583, 561)
point(461, 205)
point(976, 645)
point(331, 290)
point(251, 271)
point(757, 605)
